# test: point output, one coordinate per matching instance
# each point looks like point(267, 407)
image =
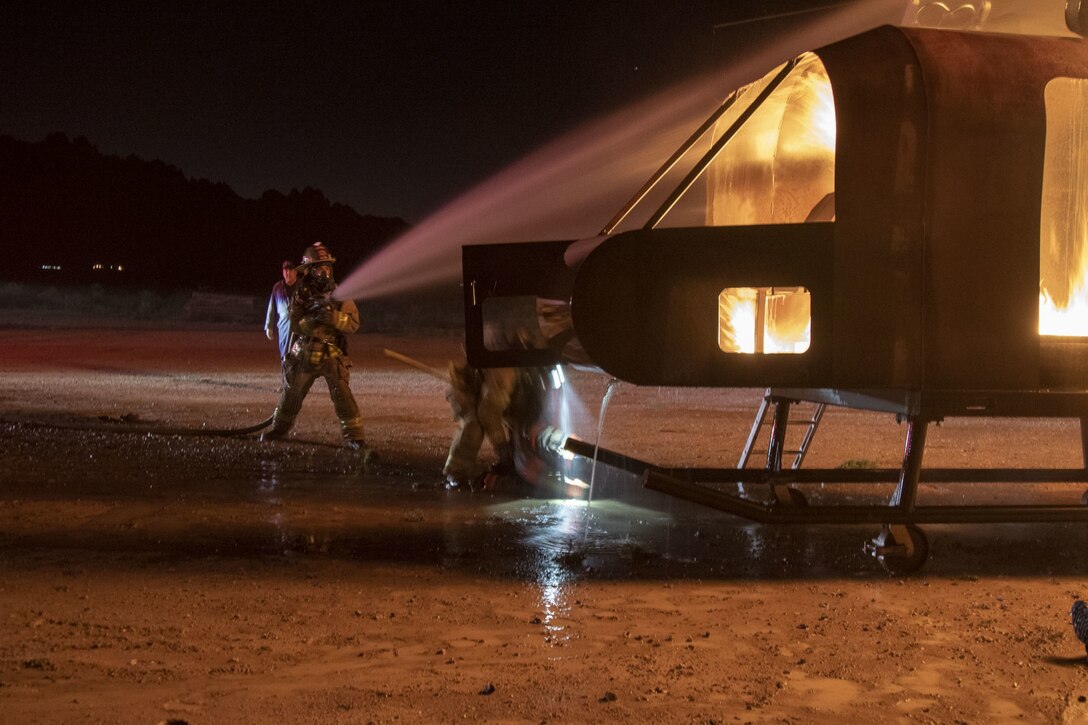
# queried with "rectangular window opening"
point(1063, 234)
point(764, 320)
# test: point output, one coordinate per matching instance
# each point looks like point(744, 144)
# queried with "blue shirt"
point(278, 315)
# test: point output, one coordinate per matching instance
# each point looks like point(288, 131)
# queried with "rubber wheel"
point(901, 565)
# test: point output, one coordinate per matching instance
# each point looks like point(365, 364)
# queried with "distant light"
point(97, 266)
point(120, 268)
point(55, 267)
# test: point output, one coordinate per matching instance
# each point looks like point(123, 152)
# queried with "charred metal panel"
point(1063, 363)
point(987, 133)
point(645, 303)
point(880, 111)
point(938, 205)
point(987, 136)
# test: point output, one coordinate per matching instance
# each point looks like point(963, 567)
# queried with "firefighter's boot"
point(352, 432)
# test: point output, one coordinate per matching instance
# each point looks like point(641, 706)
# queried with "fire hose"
point(125, 426)
point(129, 425)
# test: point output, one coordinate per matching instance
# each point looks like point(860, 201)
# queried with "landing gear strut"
point(903, 548)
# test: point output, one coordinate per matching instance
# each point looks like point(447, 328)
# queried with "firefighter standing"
point(319, 329)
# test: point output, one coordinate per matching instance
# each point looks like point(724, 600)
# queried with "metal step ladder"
point(784, 407)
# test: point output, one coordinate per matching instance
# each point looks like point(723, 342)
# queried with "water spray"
point(597, 446)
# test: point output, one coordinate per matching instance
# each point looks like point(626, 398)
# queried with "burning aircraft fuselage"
point(904, 212)
point(896, 222)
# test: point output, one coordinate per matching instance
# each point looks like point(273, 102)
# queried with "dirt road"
point(148, 578)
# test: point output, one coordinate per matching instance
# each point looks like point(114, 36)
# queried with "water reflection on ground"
point(627, 533)
point(398, 515)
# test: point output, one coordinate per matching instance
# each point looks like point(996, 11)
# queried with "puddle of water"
point(376, 514)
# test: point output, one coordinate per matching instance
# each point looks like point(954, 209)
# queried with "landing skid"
point(901, 546)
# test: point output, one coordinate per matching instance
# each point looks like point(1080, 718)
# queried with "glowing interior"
point(780, 167)
point(1063, 233)
point(764, 320)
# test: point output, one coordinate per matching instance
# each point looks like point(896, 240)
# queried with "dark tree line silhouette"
point(65, 205)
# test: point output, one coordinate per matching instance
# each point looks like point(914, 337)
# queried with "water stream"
point(597, 447)
point(571, 187)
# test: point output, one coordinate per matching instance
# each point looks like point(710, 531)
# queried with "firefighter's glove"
point(270, 333)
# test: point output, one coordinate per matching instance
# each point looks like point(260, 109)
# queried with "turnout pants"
point(300, 376)
point(480, 418)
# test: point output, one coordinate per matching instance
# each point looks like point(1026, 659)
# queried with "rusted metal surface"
point(649, 317)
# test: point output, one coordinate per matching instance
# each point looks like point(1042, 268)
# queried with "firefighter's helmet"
point(316, 253)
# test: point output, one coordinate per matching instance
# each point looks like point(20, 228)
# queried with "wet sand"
point(148, 578)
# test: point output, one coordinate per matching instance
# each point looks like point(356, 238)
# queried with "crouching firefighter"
point(319, 329)
point(479, 400)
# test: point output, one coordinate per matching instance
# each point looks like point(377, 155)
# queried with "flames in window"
point(764, 320)
point(781, 164)
point(1063, 234)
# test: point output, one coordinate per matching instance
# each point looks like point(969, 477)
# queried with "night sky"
point(390, 107)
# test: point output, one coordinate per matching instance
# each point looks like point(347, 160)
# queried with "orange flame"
point(1070, 320)
point(770, 320)
point(1063, 233)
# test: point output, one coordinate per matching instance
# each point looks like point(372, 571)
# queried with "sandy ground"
point(198, 579)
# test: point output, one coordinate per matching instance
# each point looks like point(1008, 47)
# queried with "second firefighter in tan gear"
point(479, 400)
point(319, 326)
